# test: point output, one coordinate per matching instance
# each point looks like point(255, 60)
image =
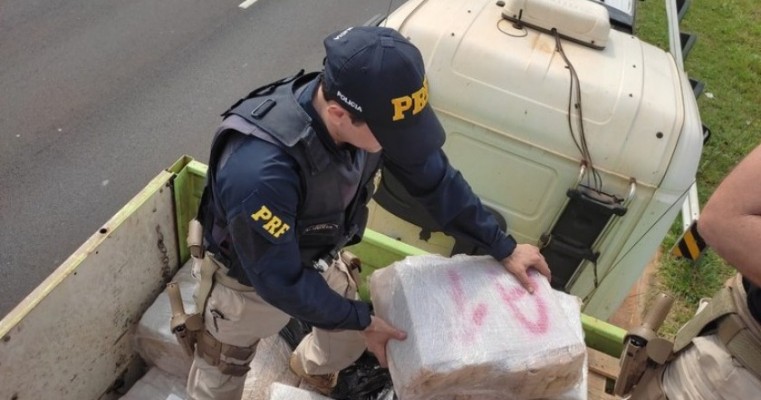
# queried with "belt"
point(221, 276)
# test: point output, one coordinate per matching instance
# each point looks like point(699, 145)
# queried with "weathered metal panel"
point(71, 337)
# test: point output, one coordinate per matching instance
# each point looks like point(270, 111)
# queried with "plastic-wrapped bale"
point(474, 331)
point(154, 341)
point(157, 385)
point(270, 364)
point(279, 391)
point(571, 306)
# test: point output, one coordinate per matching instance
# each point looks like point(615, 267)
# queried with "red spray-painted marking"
point(475, 319)
point(542, 322)
point(458, 295)
point(479, 313)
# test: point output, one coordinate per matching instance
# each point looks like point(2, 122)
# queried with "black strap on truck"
point(580, 224)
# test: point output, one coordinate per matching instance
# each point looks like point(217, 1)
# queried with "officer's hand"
point(526, 256)
point(377, 335)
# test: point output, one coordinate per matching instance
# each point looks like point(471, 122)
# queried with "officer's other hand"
point(377, 334)
point(526, 256)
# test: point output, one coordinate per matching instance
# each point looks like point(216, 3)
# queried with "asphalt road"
point(96, 97)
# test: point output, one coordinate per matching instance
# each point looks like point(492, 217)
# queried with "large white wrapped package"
point(472, 330)
point(270, 364)
point(571, 306)
point(279, 391)
point(157, 385)
point(154, 340)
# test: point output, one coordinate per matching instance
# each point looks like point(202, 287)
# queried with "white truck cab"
point(583, 138)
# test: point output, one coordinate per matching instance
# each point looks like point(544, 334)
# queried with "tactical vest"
point(728, 315)
point(324, 222)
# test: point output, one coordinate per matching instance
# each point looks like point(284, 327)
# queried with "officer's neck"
point(329, 116)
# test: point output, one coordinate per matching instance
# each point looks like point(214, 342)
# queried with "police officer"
point(718, 352)
point(290, 172)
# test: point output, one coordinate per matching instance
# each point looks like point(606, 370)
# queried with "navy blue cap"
point(379, 76)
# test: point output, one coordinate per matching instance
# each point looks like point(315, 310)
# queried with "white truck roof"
point(513, 83)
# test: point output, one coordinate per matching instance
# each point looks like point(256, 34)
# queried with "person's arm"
point(443, 191)
point(730, 222)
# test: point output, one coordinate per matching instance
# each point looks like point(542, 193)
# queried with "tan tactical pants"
point(707, 371)
point(242, 318)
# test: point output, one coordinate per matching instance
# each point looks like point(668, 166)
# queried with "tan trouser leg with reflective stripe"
point(323, 352)
point(241, 318)
point(238, 318)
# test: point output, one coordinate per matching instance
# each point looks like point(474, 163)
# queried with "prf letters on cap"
point(419, 99)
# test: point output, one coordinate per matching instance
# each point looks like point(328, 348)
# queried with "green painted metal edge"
point(603, 336)
point(392, 249)
point(376, 251)
point(178, 165)
point(189, 181)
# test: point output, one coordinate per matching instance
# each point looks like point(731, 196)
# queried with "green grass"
point(727, 58)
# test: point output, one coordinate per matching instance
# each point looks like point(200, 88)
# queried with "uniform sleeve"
point(260, 189)
point(443, 191)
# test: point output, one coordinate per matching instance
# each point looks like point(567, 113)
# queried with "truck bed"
point(71, 337)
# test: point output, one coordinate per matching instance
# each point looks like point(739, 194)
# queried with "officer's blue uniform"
point(253, 173)
point(282, 198)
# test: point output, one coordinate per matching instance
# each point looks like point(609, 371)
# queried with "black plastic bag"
point(363, 380)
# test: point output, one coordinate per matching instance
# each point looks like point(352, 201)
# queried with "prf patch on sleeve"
point(268, 219)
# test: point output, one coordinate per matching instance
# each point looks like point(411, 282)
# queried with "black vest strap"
point(281, 117)
point(264, 90)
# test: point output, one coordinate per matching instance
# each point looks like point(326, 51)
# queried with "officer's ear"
point(337, 114)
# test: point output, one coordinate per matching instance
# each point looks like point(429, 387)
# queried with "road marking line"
point(247, 4)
